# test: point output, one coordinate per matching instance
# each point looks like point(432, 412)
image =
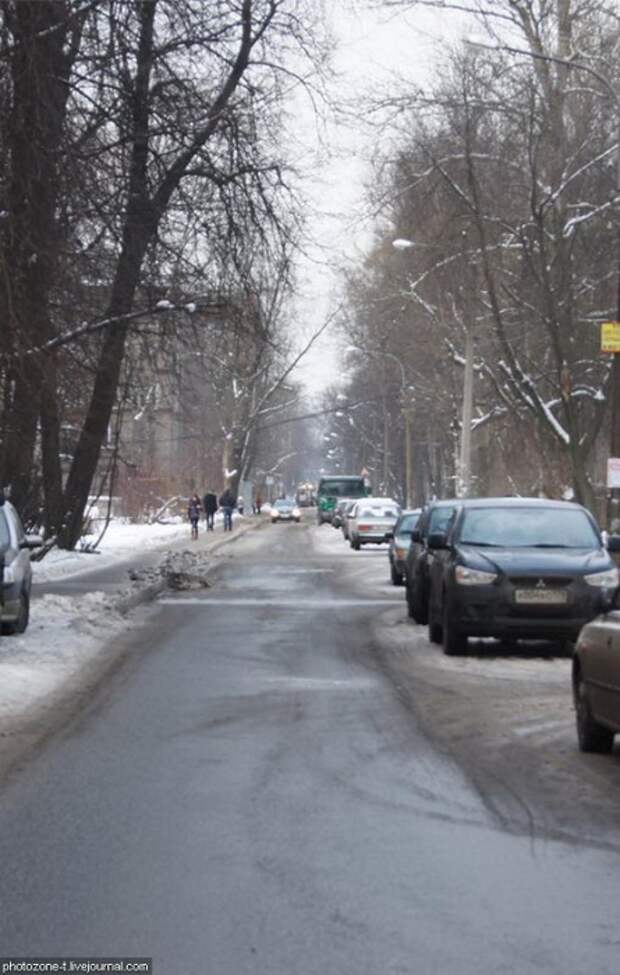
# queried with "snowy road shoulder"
point(72, 639)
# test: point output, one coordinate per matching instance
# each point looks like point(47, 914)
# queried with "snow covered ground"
point(119, 543)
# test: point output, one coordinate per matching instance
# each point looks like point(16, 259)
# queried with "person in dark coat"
point(193, 513)
point(210, 505)
point(227, 504)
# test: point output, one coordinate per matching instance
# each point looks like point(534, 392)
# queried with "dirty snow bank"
point(120, 542)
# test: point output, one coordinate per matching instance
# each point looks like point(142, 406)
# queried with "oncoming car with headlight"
point(518, 568)
point(284, 510)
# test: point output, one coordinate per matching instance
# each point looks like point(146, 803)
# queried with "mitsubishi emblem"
point(541, 584)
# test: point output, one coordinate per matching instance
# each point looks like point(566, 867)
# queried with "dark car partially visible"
point(435, 516)
point(518, 568)
point(400, 544)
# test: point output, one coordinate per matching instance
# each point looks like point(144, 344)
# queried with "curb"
point(149, 593)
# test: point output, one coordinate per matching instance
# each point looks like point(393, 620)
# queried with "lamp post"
point(463, 483)
point(406, 410)
point(614, 379)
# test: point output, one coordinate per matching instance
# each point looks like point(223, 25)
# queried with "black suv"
point(435, 517)
point(518, 568)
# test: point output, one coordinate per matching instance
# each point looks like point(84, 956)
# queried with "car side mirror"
point(32, 541)
point(437, 540)
point(613, 543)
point(416, 536)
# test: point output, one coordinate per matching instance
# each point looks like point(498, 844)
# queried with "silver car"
point(16, 571)
point(372, 520)
point(346, 513)
point(596, 683)
point(285, 510)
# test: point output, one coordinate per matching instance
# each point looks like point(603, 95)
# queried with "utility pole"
point(464, 481)
point(386, 445)
point(613, 498)
point(408, 470)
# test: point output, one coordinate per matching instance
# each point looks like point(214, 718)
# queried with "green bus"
point(332, 488)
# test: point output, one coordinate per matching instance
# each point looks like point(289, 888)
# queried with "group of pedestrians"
point(209, 505)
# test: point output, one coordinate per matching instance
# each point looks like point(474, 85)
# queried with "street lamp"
point(464, 462)
point(405, 391)
point(614, 381)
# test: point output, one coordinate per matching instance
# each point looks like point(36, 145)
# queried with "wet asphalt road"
point(249, 795)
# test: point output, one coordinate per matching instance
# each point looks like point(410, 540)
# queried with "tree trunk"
point(40, 68)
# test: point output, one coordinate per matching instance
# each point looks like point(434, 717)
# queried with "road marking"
point(319, 683)
point(302, 572)
point(533, 729)
point(300, 603)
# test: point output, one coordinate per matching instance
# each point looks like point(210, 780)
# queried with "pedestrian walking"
point(210, 505)
point(227, 504)
point(194, 508)
point(259, 504)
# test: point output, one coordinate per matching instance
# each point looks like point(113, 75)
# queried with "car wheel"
point(395, 576)
point(454, 642)
point(21, 623)
point(435, 633)
point(297, 520)
point(319, 520)
point(417, 611)
point(592, 736)
point(355, 544)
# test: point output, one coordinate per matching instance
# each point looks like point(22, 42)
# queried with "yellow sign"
point(610, 337)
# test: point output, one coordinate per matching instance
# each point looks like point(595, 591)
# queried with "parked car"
point(372, 520)
point(15, 548)
point(596, 683)
point(518, 568)
point(346, 514)
point(435, 517)
point(284, 510)
point(400, 542)
point(338, 512)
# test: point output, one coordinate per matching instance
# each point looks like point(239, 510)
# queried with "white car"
point(372, 520)
point(15, 570)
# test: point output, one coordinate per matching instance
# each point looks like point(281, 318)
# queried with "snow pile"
point(178, 570)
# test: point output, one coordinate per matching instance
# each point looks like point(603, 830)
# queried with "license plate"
point(544, 597)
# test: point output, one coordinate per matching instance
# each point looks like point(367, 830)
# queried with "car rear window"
point(407, 524)
point(379, 513)
point(538, 527)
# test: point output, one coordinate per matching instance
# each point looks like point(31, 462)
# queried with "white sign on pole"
point(613, 472)
point(269, 480)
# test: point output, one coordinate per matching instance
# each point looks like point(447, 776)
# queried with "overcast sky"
point(374, 47)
